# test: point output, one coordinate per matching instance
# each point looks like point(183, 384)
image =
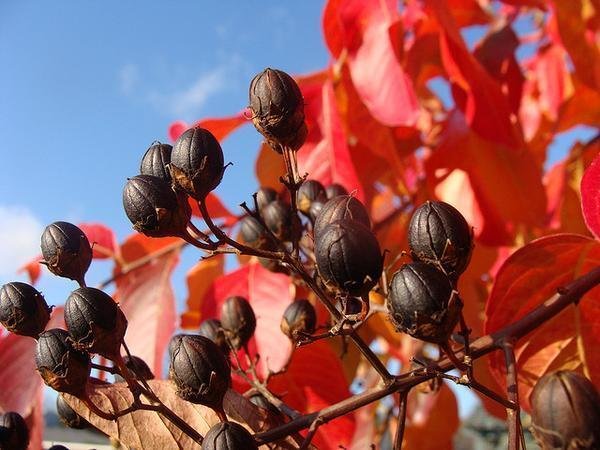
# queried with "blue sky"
point(86, 87)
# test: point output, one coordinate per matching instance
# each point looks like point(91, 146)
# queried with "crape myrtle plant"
point(398, 234)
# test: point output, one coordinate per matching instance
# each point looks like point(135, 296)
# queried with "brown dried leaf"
point(148, 429)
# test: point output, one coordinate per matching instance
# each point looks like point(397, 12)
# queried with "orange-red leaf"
point(102, 239)
point(528, 278)
point(33, 269)
point(590, 196)
point(315, 380)
point(220, 127)
point(199, 279)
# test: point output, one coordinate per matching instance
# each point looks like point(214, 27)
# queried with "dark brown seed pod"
point(264, 196)
point(260, 401)
point(422, 302)
point(95, 323)
point(299, 318)
point(200, 371)
point(15, 434)
point(344, 207)
point(197, 162)
point(348, 257)
point(254, 234)
point(238, 321)
point(228, 436)
point(439, 234)
point(58, 447)
point(315, 209)
point(212, 329)
point(66, 251)
point(156, 160)
point(154, 208)
point(309, 192)
point(68, 416)
point(23, 309)
point(278, 109)
point(278, 217)
point(335, 189)
point(139, 367)
point(62, 367)
point(565, 412)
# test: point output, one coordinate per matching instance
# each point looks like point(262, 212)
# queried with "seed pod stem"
point(515, 428)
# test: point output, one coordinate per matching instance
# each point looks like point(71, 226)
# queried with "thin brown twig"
point(401, 420)
point(513, 420)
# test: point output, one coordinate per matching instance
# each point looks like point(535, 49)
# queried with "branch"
point(513, 415)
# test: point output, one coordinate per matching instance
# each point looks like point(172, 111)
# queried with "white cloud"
point(187, 102)
point(129, 76)
point(20, 233)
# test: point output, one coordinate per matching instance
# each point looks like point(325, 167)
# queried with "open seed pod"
point(422, 302)
point(565, 412)
point(348, 257)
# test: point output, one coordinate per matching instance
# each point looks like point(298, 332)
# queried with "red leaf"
point(102, 239)
point(553, 80)
point(146, 297)
point(475, 92)
point(315, 380)
point(33, 269)
point(199, 279)
point(216, 209)
point(378, 76)
point(590, 197)
point(499, 189)
point(220, 127)
point(528, 278)
point(325, 155)
point(269, 294)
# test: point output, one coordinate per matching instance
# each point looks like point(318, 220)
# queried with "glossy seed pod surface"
point(238, 321)
point(68, 416)
point(15, 434)
point(156, 160)
point(309, 192)
point(343, 207)
point(299, 318)
point(228, 436)
point(212, 329)
point(66, 250)
point(422, 302)
point(23, 309)
point(565, 412)
point(348, 257)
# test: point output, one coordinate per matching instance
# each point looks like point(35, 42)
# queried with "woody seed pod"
point(438, 234)
point(156, 160)
point(335, 189)
point(278, 217)
point(197, 162)
point(154, 208)
point(264, 196)
point(343, 207)
point(565, 412)
point(15, 435)
point(348, 257)
point(299, 318)
point(309, 192)
point(23, 309)
point(422, 302)
point(66, 250)
point(228, 436)
point(200, 371)
point(278, 109)
point(211, 328)
point(62, 367)
point(95, 322)
point(68, 416)
point(139, 367)
point(238, 321)
point(254, 234)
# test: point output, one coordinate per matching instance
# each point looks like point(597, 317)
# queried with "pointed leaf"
point(220, 127)
point(199, 279)
point(33, 269)
point(102, 239)
point(529, 277)
point(590, 197)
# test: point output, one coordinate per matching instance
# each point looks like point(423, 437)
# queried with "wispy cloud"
point(129, 77)
point(20, 233)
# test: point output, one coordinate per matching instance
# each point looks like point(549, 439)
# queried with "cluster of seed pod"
point(423, 300)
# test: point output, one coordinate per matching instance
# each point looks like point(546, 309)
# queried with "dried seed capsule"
point(95, 322)
point(264, 196)
point(238, 321)
point(228, 436)
point(439, 234)
point(299, 318)
point(212, 329)
point(278, 217)
point(348, 257)
point(156, 160)
point(260, 401)
point(139, 367)
point(309, 192)
point(315, 209)
point(278, 109)
point(68, 416)
point(154, 208)
point(565, 412)
point(344, 207)
point(254, 234)
point(15, 434)
point(422, 302)
point(200, 371)
point(23, 309)
point(62, 367)
point(335, 189)
point(66, 250)
point(58, 447)
point(197, 162)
